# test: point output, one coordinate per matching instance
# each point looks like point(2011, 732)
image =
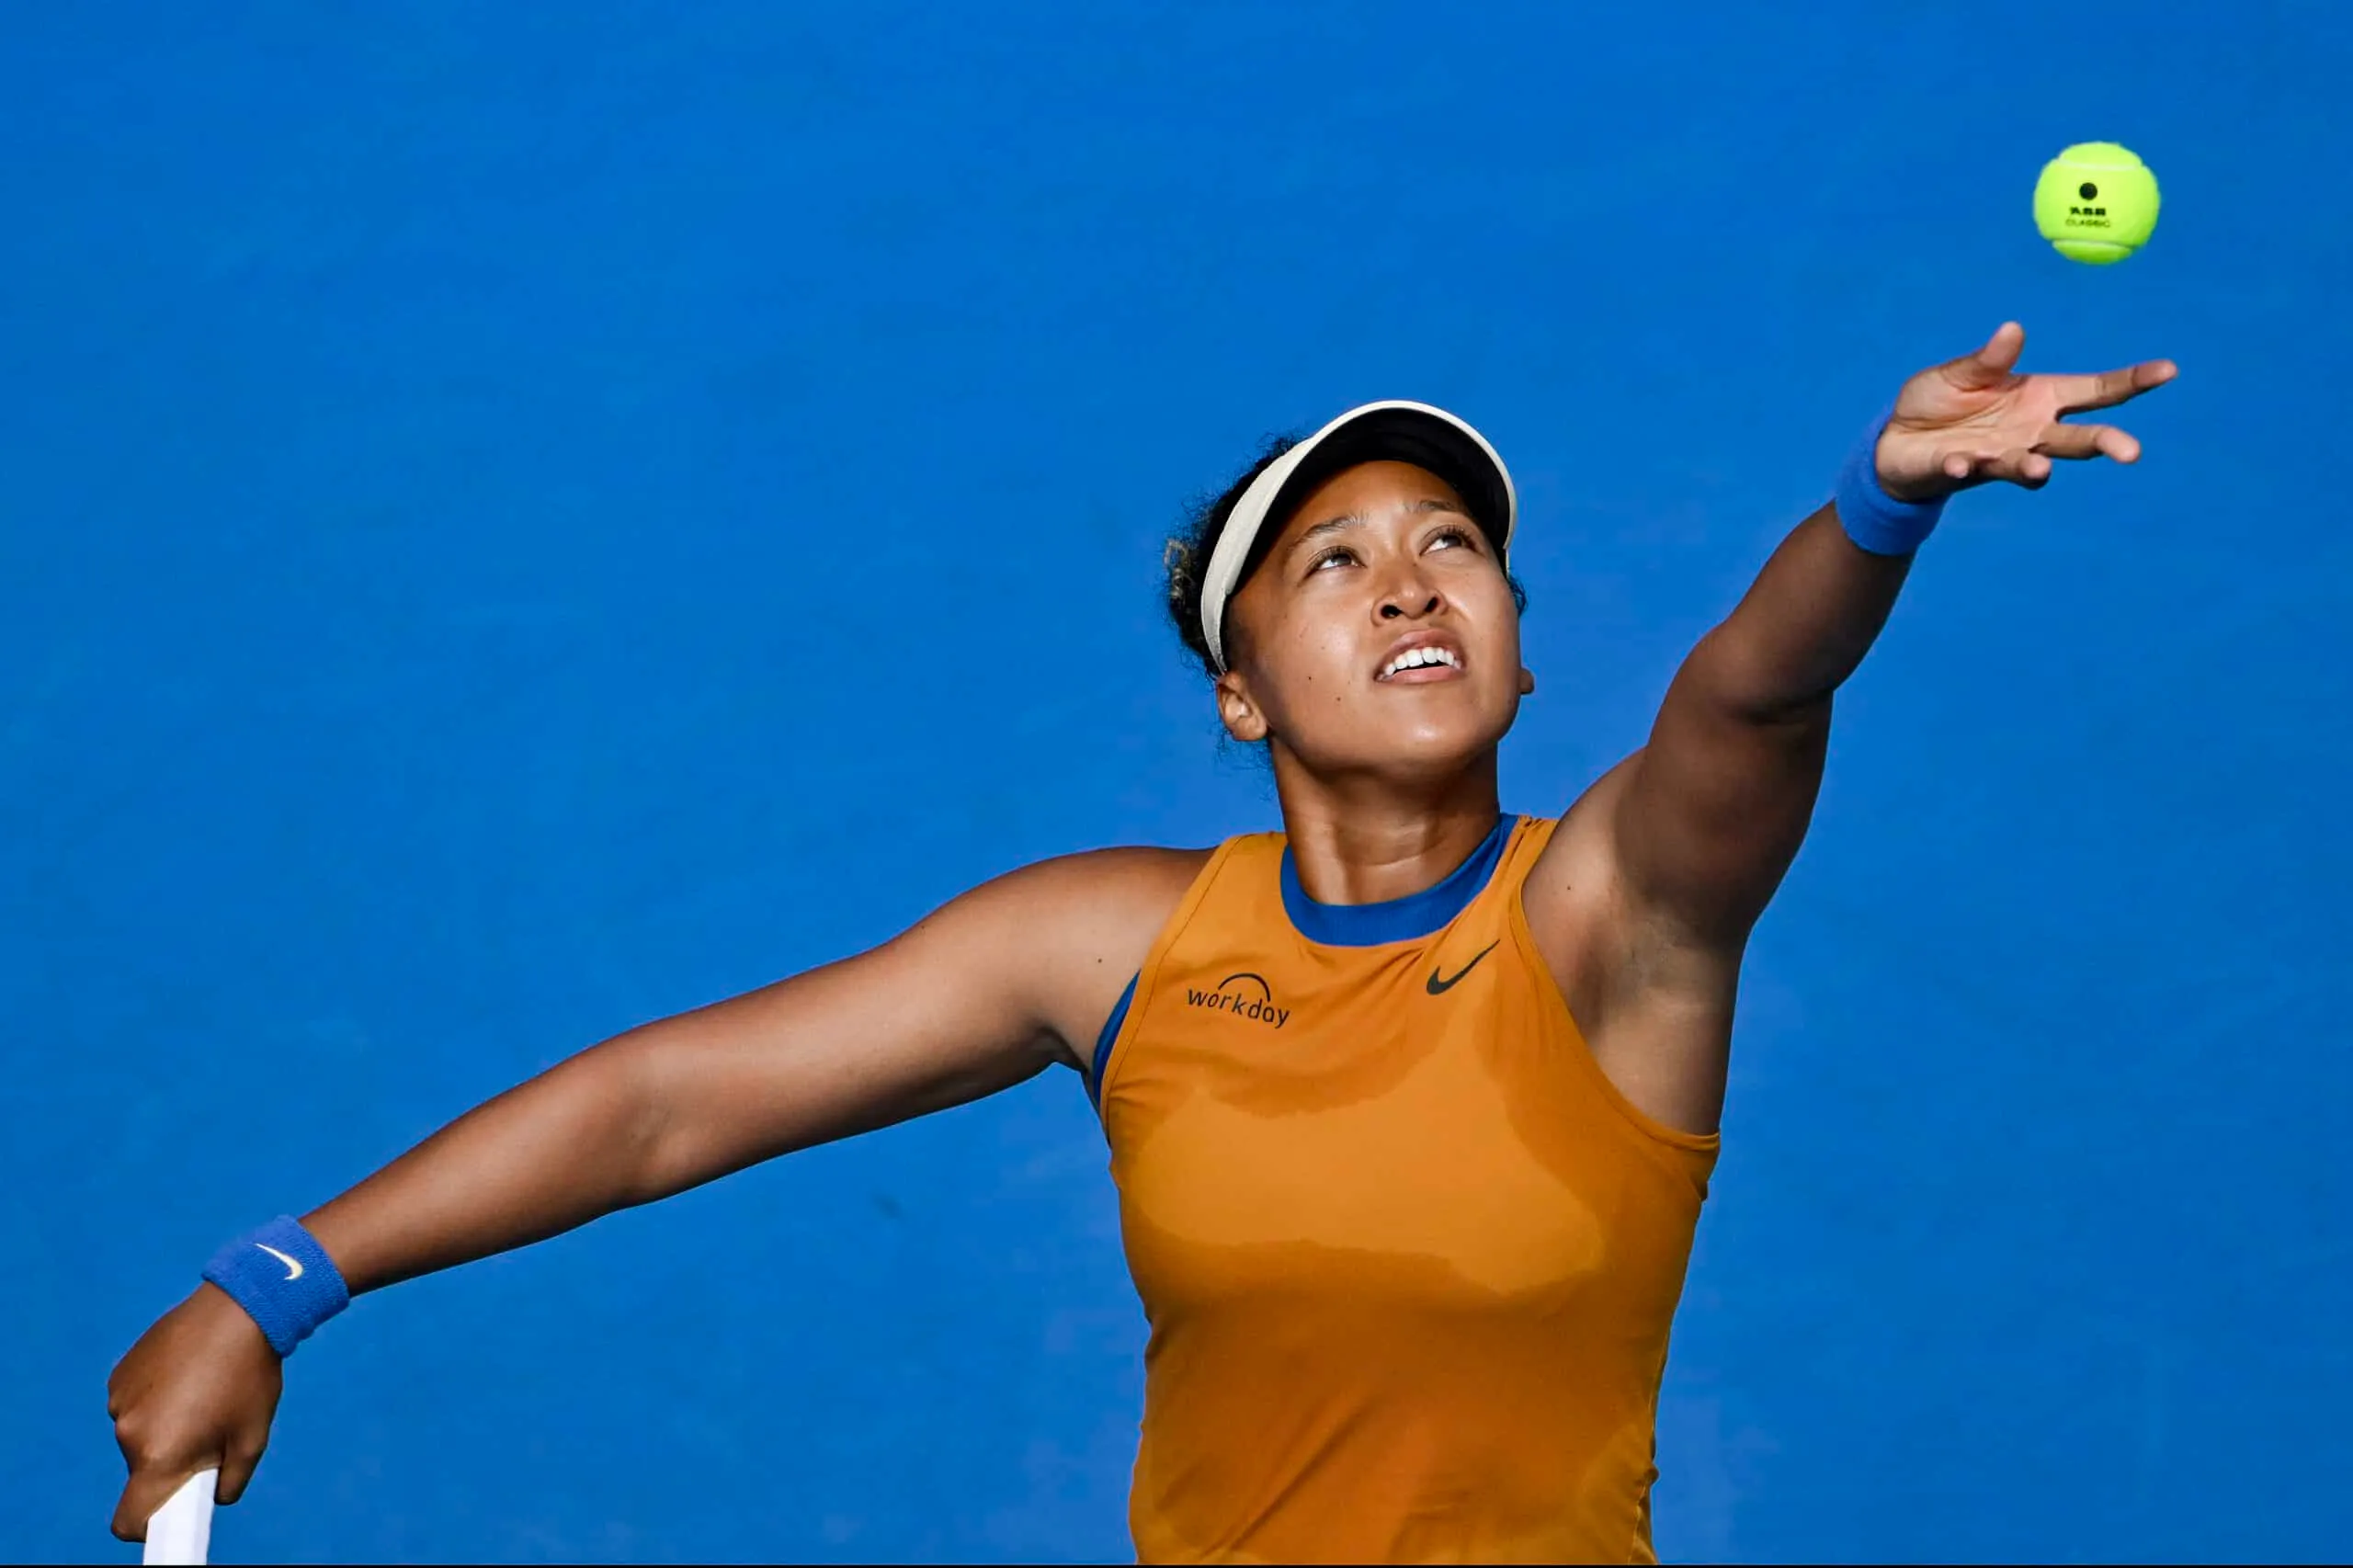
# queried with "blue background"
point(515, 521)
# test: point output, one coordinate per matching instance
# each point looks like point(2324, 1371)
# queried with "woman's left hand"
point(1975, 419)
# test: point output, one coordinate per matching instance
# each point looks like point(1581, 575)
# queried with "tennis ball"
point(2096, 202)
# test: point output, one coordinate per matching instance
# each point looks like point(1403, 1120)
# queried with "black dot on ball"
point(2088, 191)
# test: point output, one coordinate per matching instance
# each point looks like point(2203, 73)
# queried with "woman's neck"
point(1367, 840)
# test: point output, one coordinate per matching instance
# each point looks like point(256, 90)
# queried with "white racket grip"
point(181, 1531)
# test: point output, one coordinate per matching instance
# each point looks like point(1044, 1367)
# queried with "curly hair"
point(1187, 557)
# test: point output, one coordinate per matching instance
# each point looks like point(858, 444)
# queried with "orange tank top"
point(1408, 1258)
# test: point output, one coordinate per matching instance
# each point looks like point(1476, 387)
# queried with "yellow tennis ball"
point(2096, 202)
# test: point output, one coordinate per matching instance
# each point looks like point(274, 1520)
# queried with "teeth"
point(1415, 658)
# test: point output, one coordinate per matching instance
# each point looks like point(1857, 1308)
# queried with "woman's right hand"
point(197, 1391)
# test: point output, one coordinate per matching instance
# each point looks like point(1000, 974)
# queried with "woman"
point(1412, 1107)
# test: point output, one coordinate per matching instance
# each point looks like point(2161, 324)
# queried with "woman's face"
point(1378, 635)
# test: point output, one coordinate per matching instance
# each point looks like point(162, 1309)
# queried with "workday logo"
point(1243, 994)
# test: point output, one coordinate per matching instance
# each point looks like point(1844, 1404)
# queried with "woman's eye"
point(1450, 537)
point(1329, 558)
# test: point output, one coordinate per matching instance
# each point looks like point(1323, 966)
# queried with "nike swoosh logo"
point(1440, 987)
point(294, 1270)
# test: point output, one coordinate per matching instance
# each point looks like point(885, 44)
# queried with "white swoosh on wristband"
point(293, 1269)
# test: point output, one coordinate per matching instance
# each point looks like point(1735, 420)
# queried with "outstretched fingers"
point(1991, 365)
point(2031, 466)
point(2077, 442)
point(2078, 393)
point(2017, 465)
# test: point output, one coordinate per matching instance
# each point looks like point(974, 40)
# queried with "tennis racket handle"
point(181, 1531)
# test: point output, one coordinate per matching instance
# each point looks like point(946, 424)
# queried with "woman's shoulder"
point(1094, 895)
point(1107, 881)
point(1092, 904)
point(1086, 922)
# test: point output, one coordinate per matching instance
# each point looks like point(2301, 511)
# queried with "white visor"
point(1398, 432)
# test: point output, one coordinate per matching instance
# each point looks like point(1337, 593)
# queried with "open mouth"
point(1426, 662)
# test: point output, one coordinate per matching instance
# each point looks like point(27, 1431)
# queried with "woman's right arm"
point(986, 993)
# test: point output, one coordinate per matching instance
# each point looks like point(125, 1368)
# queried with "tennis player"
point(1412, 1106)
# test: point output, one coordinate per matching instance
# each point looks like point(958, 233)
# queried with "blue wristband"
point(284, 1278)
point(1875, 520)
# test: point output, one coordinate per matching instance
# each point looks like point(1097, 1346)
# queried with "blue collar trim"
point(1399, 919)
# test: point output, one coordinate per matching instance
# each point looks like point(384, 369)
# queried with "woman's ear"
point(1237, 711)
